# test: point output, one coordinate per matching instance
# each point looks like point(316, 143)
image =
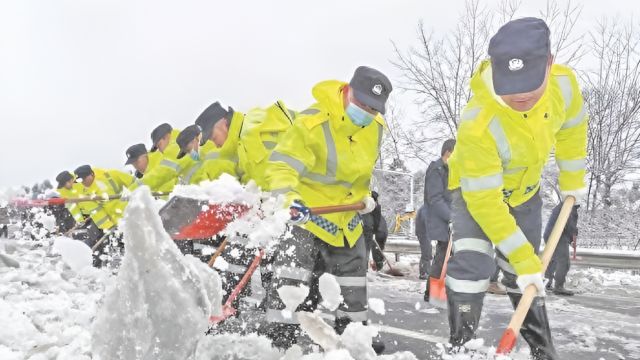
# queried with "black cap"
point(63, 178)
point(371, 87)
point(158, 133)
point(83, 171)
point(519, 54)
point(134, 152)
point(186, 136)
point(210, 116)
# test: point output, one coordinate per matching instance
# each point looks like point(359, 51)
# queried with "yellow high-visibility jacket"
point(170, 170)
point(500, 154)
point(261, 131)
point(105, 214)
point(324, 159)
point(217, 161)
point(74, 208)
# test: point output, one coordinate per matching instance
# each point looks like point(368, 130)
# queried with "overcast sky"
point(82, 80)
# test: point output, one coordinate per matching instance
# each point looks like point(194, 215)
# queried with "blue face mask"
point(358, 115)
point(195, 155)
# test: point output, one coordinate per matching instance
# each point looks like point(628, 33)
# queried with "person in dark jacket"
point(437, 202)
point(558, 268)
point(425, 243)
point(375, 229)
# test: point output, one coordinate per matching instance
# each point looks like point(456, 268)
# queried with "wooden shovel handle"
point(336, 208)
point(510, 335)
point(218, 252)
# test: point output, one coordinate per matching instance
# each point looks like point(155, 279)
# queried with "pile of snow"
point(593, 279)
point(76, 254)
point(161, 301)
point(46, 308)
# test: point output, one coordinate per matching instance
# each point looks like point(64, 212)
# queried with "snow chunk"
point(74, 253)
point(292, 296)
point(7, 261)
point(377, 306)
point(160, 303)
point(330, 291)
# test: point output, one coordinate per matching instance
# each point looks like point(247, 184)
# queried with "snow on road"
point(54, 306)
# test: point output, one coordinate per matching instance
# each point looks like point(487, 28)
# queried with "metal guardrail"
point(603, 258)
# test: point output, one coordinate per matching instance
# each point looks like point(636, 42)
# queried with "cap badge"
point(377, 89)
point(516, 64)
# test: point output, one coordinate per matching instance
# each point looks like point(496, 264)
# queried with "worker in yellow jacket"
point(327, 158)
point(138, 157)
point(523, 107)
point(163, 167)
point(219, 143)
point(261, 132)
point(175, 165)
point(104, 214)
point(69, 189)
point(103, 183)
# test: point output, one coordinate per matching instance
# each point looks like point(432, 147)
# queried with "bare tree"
point(567, 45)
point(612, 96)
point(438, 70)
point(391, 151)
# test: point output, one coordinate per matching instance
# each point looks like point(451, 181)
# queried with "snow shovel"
point(437, 287)
point(192, 219)
point(510, 335)
point(392, 271)
point(227, 309)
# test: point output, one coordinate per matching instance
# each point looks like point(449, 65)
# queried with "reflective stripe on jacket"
point(500, 154)
point(324, 159)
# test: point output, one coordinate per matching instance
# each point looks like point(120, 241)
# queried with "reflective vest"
point(217, 161)
point(261, 132)
point(167, 173)
point(74, 208)
point(105, 214)
point(323, 159)
point(500, 154)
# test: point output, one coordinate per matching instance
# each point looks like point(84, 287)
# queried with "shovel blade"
point(191, 219)
point(437, 293)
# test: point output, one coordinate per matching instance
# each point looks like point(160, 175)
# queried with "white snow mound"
point(159, 305)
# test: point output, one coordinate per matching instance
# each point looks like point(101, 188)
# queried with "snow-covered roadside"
point(157, 305)
point(46, 308)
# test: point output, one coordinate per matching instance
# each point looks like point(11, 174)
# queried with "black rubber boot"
point(464, 316)
point(535, 329)
point(426, 292)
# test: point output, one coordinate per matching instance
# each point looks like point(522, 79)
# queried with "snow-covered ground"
point(54, 305)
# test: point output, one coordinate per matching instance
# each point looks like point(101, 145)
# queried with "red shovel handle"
point(227, 308)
